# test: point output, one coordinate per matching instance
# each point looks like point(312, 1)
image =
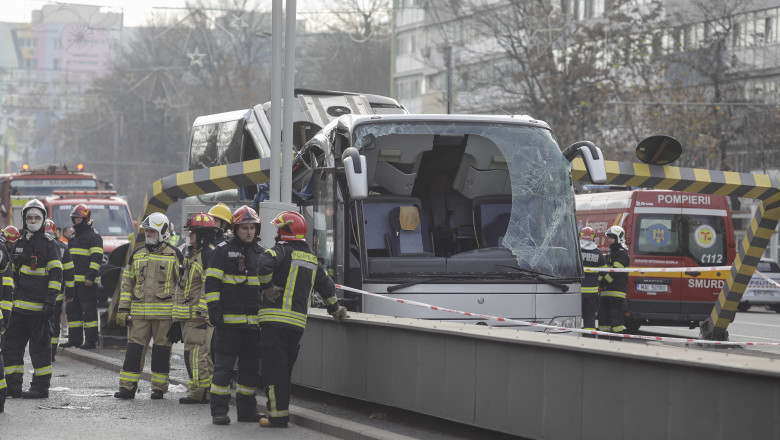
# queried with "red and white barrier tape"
point(536, 324)
point(767, 279)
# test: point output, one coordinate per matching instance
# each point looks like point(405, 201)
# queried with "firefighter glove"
point(174, 333)
point(121, 318)
point(340, 314)
point(48, 310)
point(216, 318)
point(69, 292)
point(272, 292)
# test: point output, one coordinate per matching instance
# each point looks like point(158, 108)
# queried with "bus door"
point(704, 243)
point(656, 243)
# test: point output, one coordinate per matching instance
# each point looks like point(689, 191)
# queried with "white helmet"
point(159, 222)
point(617, 232)
point(34, 205)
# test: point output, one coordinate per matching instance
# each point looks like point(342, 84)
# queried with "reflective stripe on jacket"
point(190, 299)
point(39, 275)
point(615, 283)
point(149, 282)
point(294, 267)
point(232, 287)
point(86, 249)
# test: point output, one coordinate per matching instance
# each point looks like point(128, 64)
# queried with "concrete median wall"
point(542, 386)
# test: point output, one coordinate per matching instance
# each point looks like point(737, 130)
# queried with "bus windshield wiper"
point(539, 277)
point(391, 289)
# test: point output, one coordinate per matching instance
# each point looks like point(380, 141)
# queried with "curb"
point(306, 418)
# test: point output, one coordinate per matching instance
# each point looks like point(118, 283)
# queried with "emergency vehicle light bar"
point(97, 193)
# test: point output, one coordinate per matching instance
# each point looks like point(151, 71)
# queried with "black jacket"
point(38, 273)
point(591, 257)
point(86, 248)
point(232, 287)
point(292, 266)
point(67, 270)
point(616, 283)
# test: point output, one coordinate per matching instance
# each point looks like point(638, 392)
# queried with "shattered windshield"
point(541, 231)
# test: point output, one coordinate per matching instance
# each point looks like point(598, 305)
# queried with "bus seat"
point(408, 236)
point(377, 225)
point(491, 219)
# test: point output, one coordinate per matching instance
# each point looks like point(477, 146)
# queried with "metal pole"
point(289, 86)
point(448, 61)
point(276, 99)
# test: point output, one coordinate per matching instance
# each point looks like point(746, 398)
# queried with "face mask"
point(152, 241)
point(34, 227)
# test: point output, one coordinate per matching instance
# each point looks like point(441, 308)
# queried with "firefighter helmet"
point(10, 233)
point(291, 226)
point(50, 226)
point(35, 205)
point(587, 233)
point(201, 220)
point(81, 211)
point(159, 222)
point(245, 215)
point(617, 232)
point(222, 212)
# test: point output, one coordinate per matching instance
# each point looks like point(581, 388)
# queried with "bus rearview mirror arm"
point(593, 158)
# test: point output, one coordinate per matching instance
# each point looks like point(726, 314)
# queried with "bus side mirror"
point(593, 158)
point(355, 168)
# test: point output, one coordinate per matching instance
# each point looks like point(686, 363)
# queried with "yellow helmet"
point(222, 212)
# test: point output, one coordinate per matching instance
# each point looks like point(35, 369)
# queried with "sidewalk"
point(112, 358)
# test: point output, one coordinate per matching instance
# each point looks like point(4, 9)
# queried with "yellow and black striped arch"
point(752, 247)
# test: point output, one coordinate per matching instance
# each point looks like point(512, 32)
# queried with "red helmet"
point(245, 215)
point(50, 226)
point(82, 211)
point(10, 233)
point(291, 226)
point(201, 220)
point(587, 233)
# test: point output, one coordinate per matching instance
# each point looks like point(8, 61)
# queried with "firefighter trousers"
point(55, 327)
point(138, 337)
point(278, 352)
point(3, 386)
point(82, 315)
point(611, 314)
point(36, 330)
point(590, 305)
point(231, 342)
point(197, 356)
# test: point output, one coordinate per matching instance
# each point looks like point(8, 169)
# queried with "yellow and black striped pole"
point(754, 186)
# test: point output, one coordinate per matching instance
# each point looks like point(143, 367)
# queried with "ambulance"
point(666, 229)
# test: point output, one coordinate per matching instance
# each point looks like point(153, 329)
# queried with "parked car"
point(760, 292)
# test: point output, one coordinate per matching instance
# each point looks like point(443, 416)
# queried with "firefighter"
point(37, 281)
point(86, 248)
point(288, 273)
point(190, 312)
point(224, 219)
point(591, 257)
point(233, 299)
point(67, 276)
point(614, 285)
point(8, 235)
point(145, 306)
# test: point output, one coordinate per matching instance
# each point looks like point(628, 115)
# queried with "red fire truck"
point(16, 189)
point(666, 229)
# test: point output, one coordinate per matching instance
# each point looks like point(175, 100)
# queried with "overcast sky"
point(136, 12)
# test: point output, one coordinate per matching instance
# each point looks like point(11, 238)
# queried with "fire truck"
point(16, 189)
point(666, 229)
point(111, 219)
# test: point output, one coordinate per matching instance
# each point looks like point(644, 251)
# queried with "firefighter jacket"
point(37, 273)
point(292, 266)
point(190, 298)
point(7, 292)
point(232, 287)
point(67, 269)
point(149, 282)
point(86, 248)
point(615, 284)
point(591, 257)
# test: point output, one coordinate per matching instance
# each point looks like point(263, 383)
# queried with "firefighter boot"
point(157, 394)
point(70, 344)
point(267, 423)
point(187, 400)
point(35, 393)
point(220, 419)
point(126, 394)
point(88, 346)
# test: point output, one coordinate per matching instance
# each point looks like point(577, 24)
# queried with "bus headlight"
point(564, 321)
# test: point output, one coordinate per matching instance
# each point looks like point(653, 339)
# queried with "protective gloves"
point(216, 318)
point(272, 292)
point(174, 333)
point(48, 310)
point(340, 314)
point(121, 318)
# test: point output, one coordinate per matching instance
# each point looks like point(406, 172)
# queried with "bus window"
point(656, 234)
point(216, 144)
point(706, 239)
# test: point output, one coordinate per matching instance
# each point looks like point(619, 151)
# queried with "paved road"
point(757, 325)
point(82, 406)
